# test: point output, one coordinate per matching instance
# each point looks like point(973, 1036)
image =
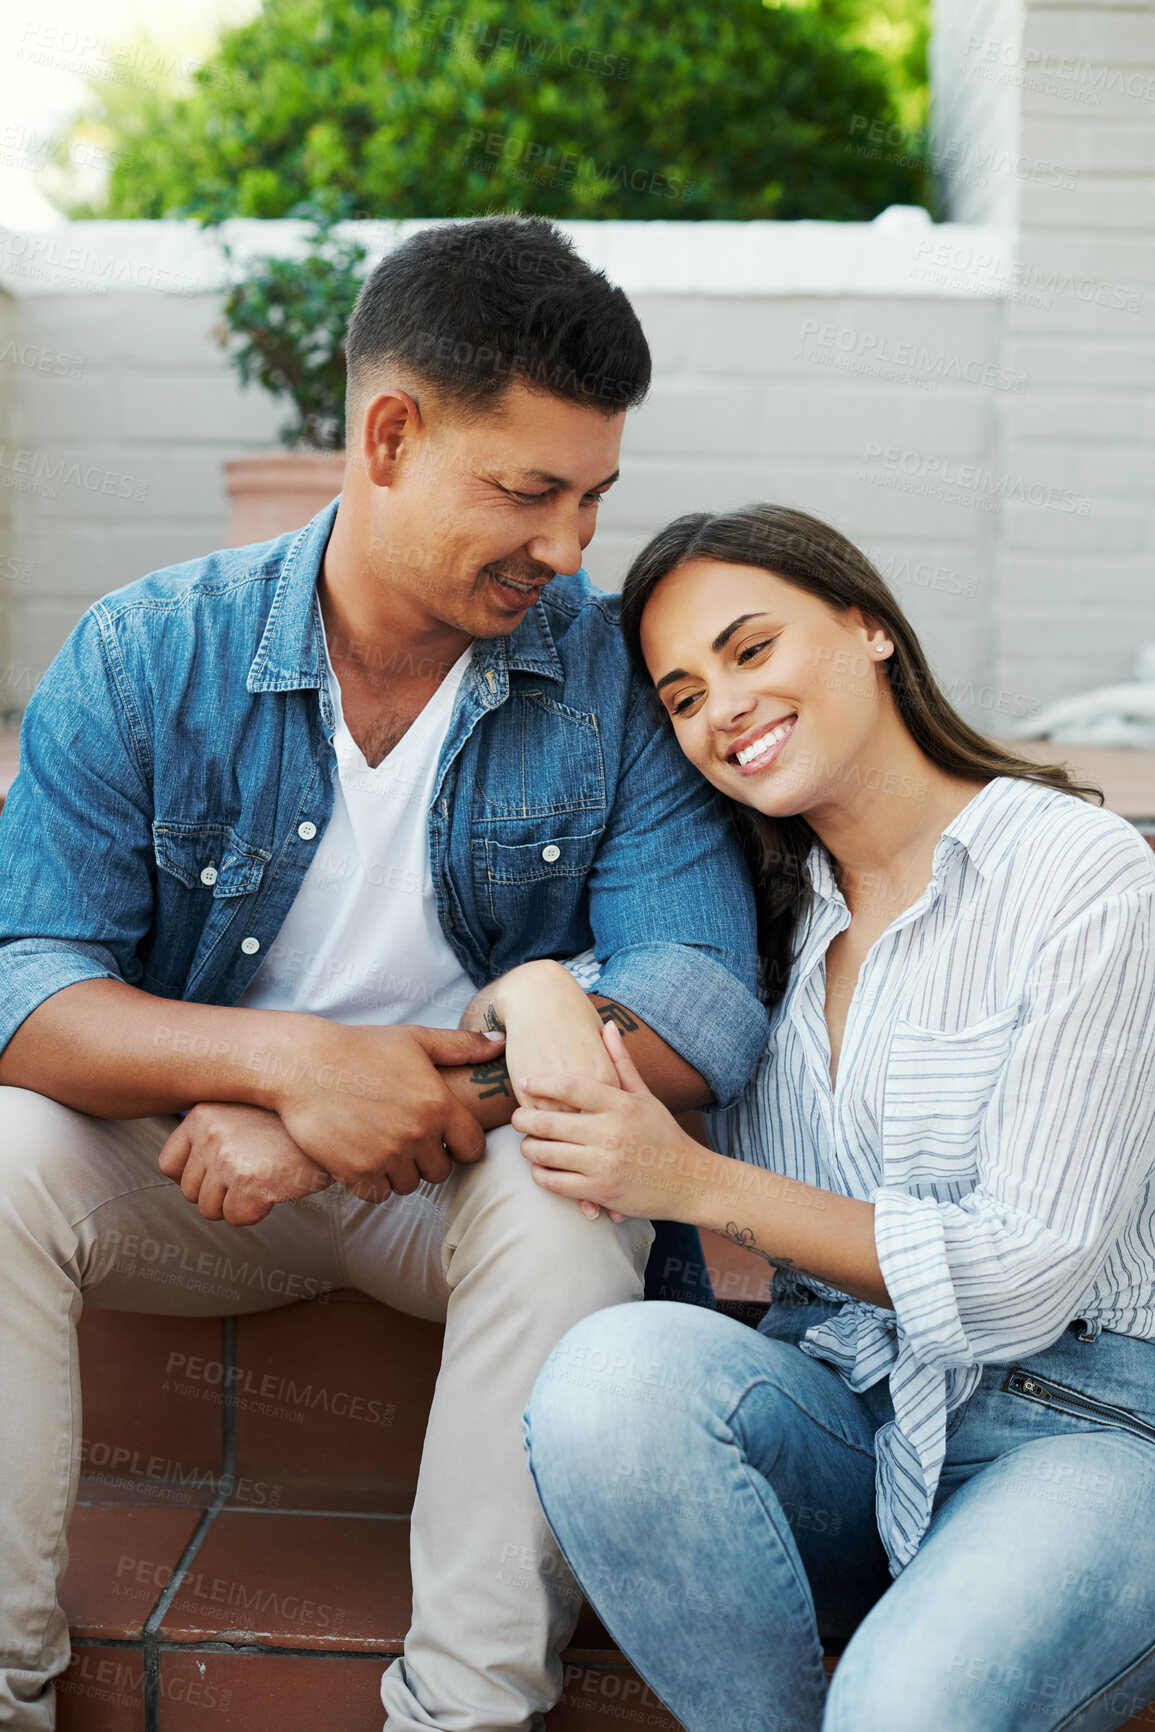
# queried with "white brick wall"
point(776, 378)
point(9, 571)
point(1074, 595)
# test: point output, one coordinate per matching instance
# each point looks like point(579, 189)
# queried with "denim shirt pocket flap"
point(547, 856)
point(938, 1086)
point(209, 857)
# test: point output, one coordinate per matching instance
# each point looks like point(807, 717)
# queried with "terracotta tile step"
point(322, 1404)
point(201, 1689)
point(186, 1618)
point(206, 1689)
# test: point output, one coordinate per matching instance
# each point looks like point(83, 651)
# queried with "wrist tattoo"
point(492, 1078)
point(619, 1014)
point(744, 1238)
point(492, 1021)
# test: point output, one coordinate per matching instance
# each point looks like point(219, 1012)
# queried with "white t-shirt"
point(362, 942)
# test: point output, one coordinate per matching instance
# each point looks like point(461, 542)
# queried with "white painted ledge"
point(900, 253)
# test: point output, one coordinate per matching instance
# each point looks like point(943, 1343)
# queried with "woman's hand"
point(551, 1027)
point(615, 1144)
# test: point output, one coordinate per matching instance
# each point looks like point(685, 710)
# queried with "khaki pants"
point(507, 1266)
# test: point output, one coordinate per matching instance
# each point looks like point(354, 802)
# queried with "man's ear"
point(389, 425)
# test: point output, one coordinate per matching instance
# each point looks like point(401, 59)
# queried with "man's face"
point(479, 516)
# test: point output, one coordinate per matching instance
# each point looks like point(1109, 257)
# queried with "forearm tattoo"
point(744, 1238)
point(492, 1078)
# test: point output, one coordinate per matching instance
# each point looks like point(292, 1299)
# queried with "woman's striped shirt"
point(995, 1101)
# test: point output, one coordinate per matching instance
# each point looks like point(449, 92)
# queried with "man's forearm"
point(665, 1072)
point(486, 1089)
point(110, 1050)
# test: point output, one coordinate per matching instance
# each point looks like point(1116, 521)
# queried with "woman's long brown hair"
point(814, 557)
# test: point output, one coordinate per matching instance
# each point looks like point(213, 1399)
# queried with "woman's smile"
point(761, 746)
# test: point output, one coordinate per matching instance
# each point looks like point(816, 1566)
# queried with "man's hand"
point(369, 1105)
point(236, 1161)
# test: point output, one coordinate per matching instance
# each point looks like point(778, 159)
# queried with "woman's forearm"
point(791, 1225)
point(548, 1020)
point(621, 1147)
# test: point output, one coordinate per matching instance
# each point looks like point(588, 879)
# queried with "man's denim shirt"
point(186, 725)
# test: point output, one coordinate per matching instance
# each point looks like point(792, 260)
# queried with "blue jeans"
point(712, 1488)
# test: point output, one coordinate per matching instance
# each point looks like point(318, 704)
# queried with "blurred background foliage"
point(611, 108)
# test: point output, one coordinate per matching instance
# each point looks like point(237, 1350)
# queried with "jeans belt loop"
point(1090, 1329)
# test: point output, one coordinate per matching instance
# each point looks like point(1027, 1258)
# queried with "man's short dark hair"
point(470, 307)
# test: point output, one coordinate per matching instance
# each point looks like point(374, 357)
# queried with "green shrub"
point(283, 323)
point(614, 108)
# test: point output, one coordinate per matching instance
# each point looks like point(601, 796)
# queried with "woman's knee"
point(630, 1385)
point(600, 1426)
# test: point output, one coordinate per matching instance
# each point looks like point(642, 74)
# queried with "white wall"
point(799, 362)
point(8, 699)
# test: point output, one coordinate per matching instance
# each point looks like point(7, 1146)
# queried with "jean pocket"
point(1072, 1403)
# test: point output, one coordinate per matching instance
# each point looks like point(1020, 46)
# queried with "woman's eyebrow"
point(719, 643)
point(667, 679)
point(725, 635)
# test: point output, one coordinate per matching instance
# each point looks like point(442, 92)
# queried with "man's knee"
point(34, 1131)
point(499, 1202)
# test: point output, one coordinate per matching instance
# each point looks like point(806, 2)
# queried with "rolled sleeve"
point(697, 1007)
point(672, 909)
point(910, 1240)
point(32, 969)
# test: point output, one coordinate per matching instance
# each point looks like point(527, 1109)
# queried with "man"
point(280, 812)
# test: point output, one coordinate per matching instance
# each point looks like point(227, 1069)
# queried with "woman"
point(946, 1153)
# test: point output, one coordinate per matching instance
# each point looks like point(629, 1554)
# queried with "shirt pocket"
point(209, 857)
point(538, 887)
point(539, 758)
point(205, 870)
point(938, 1087)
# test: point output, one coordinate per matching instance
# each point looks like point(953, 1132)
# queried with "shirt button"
point(250, 946)
point(209, 875)
point(306, 831)
point(551, 852)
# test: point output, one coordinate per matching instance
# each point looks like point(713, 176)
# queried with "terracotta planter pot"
point(278, 490)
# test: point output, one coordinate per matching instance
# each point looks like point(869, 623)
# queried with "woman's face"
point(776, 698)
